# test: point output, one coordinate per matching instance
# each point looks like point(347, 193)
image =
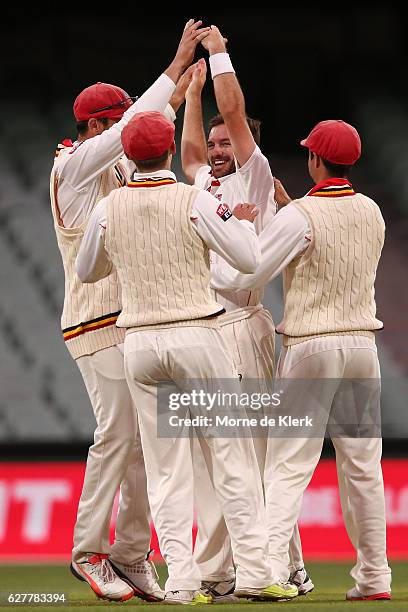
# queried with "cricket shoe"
point(220, 592)
point(302, 581)
point(98, 573)
point(355, 595)
point(280, 591)
point(187, 598)
point(142, 577)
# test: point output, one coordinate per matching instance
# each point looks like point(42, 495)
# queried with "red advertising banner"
point(38, 504)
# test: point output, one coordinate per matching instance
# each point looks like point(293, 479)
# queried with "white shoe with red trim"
point(98, 573)
point(355, 595)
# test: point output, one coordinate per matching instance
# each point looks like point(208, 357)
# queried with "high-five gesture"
point(214, 42)
point(192, 35)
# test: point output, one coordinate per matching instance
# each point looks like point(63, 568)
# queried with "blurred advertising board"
point(38, 503)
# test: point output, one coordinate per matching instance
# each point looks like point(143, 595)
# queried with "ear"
point(318, 161)
point(92, 124)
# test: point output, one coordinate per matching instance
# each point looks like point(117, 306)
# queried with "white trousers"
point(291, 461)
point(181, 353)
point(251, 342)
point(115, 459)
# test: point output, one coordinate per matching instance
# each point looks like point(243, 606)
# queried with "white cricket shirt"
point(79, 169)
point(251, 183)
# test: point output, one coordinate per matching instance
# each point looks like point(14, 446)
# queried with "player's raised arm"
point(193, 141)
point(229, 96)
point(101, 145)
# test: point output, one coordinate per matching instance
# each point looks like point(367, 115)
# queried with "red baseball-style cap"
point(147, 135)
point(334, 140)
point(101, 100)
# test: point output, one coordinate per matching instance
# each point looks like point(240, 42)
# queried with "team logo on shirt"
point(224, 212)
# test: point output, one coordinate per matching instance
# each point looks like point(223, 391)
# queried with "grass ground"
point(331, 582)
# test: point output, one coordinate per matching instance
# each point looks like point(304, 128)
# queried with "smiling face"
point(219, 151)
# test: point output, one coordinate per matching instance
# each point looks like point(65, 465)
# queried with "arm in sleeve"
point(285, 237)
point(95, 155)
point(93, 262)
point(169, 113)
point(236, 241)
point(202, 176)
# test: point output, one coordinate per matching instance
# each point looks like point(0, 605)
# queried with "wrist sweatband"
point(220, 63)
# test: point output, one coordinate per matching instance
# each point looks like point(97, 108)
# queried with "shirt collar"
point(157, 174)
point(332, 188)
point(216, 182)
point(152, 179)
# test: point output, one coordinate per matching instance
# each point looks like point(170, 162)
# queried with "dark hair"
point(82, 126)
point(336, 170)
point(155, 163)
point(253, 124)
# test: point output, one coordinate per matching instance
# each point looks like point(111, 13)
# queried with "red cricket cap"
point(147, 135)
point(101, 100)
point(334, 140)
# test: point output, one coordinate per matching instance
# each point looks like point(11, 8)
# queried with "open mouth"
point(218, 163)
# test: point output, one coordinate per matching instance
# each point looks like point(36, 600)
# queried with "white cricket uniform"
point(191, 351)
point(115, 459)
point(361, 489)
point(249, 333)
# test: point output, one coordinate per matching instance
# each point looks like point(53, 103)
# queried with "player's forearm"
point(193, 142)
point(286, 237)
point(228, 93)
point(244, 253)
point(231, 105)
point(92, 265)
point(237, 243)
point(229, 96)
point(175, 70)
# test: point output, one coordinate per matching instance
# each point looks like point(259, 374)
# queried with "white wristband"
point(220, 63)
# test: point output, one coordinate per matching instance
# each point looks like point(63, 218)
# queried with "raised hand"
point(199, 76)
point(214, 42)
point(192, 35)
point(281, 196)
point(179, 95)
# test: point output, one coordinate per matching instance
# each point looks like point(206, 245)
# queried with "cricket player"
point(82, 174)
point(328, 245)
point(238, 172)
point(157, 234)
